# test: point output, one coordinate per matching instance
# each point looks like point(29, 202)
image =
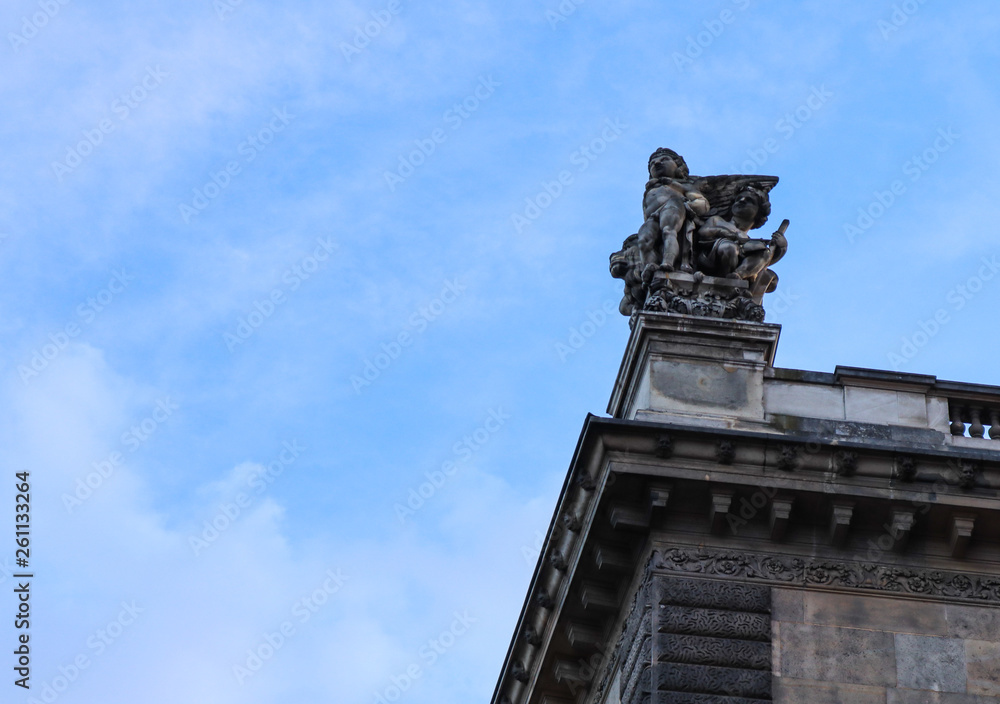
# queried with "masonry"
point(736, 533)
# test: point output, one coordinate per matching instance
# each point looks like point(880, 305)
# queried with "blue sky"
point(285, 267)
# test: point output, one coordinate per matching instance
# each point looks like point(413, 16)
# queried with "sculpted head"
point(668, 164)
point(751, 205)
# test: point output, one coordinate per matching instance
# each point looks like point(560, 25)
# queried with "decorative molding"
point(788, 460)
point(722, 500)
point(902, 525)
point(708, 594)
point(532, 637)
point(967, 474)
point(906, 468)
point(819, 572)
point(840, 522)
point(664, 447)
point(725, 681)
point(572, 522)
point(714, 623)
point(721, 652)
point(781, 511)
point(725, 451)
point(845, 463)
point(962, 526)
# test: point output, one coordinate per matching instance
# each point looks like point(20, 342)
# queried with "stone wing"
point(721, 190)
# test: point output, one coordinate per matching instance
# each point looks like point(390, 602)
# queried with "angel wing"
point(721, 190)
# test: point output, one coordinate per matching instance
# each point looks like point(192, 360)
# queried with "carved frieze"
point(811, 571)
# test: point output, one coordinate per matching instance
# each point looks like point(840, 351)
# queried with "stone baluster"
point(976, 428)
point(995, 424)
point(957, 426)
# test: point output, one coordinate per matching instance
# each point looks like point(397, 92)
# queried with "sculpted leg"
point(753, 264)
point(728, 257)
point(649, 237)
point(671, 222)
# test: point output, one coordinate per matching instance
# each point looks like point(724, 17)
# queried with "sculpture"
point(693, 253)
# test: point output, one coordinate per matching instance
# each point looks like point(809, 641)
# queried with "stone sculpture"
point(693, 253)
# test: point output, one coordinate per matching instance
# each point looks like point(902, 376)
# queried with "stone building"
point(739, 533)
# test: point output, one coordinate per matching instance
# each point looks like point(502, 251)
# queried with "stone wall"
point(835, 648)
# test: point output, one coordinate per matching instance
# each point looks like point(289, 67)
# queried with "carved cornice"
point(822, 572)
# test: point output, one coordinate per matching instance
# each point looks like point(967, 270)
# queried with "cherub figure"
point(670, 208)
point(723, 247)
point(625, 265)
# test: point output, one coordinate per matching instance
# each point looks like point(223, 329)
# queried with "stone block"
point(786, 605)
point(805, 400)
point(916, 696)
point(879, 613)
point(832, 654)
point(792, 691)
point(973, 622)
point(689, 387)
point(930, 662)
point(983, 667)
point(871, 405)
